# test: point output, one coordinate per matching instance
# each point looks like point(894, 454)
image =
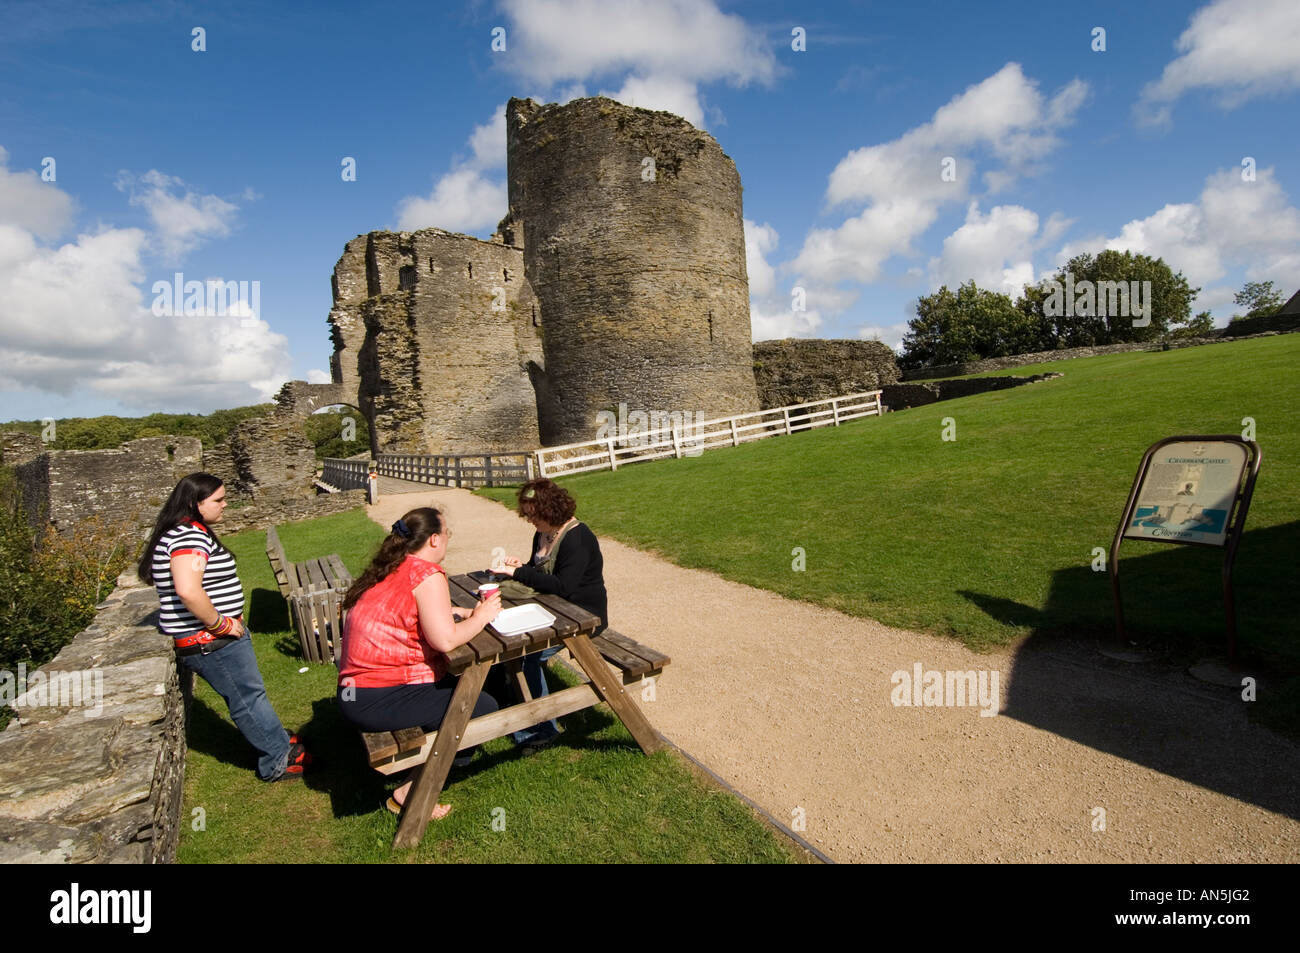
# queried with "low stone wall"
point(900, 396)
point(1065, 354)
point(80, 785)
point(273, 510)
point(798, 370)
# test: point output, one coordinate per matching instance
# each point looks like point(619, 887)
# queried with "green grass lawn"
point(990, 537)
point(593, 797)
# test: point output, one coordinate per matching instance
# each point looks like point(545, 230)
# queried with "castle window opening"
point(505, 273)
point(431, 268)
point(710, 326)
point(406, 278)
point(536, 323)
point(469, 266)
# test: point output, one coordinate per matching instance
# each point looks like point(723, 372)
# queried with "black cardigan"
point(579, 572)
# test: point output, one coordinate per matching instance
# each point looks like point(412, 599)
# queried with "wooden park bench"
point(392, 751)
point(314, 590)
point(633, 664)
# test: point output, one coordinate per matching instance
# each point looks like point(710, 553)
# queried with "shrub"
point(49, 583)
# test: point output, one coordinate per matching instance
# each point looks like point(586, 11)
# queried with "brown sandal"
point(396, 808)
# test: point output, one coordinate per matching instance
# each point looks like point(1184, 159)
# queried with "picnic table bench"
point(314, 589)
point(392, 751)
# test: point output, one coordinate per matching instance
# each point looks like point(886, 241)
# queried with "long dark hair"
point(181, 506)
point(420, 523)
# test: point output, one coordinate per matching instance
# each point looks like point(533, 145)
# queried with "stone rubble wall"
point(273, 510)
point(797, 370)
point(105, 788)
point(902, 396)
point(437, 331)
point(123, 486)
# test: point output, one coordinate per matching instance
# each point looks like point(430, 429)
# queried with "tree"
point(966, 325)
point(1200, 326)
point(1094, 300)
point(1259, 298)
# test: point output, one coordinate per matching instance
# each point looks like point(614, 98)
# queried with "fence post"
point(458, 472)
point(677, 443)
point(785, 412)
point(613, 461)
point(735, 438)
point(835, 408)
point(879, 410)
point(538, 468)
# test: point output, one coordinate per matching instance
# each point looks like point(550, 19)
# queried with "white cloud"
point(317, 376)
point(1234, 223)
point(902, 181)
point(1241, 48)
point(551, 41)
point(465, 199)
point(771, 307)
point(661, 49)
point(76, 319)
point(671, 93)
point(760, 241)
point(26, 201)
point(181, 221)
point(890, 334)
point(461, 201)
point(994, 250)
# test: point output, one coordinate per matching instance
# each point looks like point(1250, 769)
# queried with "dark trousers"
point(402, 706)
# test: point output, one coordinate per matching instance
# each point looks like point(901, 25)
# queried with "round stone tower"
point(634, 244)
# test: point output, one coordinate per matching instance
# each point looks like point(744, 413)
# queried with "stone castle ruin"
point(616, 277)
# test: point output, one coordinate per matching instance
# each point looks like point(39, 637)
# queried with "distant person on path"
point(393, 670)
point(566, 561)
point(202, 604)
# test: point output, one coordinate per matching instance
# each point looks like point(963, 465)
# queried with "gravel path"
point(791, 704)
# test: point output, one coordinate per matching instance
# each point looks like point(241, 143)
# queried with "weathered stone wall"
point(796, 370)
point(901, 396)
point(438, 331)
point(17, 447)
point(127, 485)
point(271, 510)
point(641, 283)
point(78, 786)
point(263, 455)
point(34, 484)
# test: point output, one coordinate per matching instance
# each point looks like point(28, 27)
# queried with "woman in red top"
point(393, 671)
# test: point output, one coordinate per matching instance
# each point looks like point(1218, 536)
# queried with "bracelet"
point(223, 626)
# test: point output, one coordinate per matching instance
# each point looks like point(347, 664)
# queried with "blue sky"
point(226, 162)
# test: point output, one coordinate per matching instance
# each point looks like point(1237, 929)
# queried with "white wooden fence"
point(676, 441)
point(466, 469)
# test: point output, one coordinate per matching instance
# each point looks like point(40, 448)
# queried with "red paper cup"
point(485, 591)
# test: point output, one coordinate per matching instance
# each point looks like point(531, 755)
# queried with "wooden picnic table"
point(572, 628)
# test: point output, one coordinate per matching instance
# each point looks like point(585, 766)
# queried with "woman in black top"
point(565, 560)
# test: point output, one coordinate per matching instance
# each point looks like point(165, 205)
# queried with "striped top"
point(220, 580)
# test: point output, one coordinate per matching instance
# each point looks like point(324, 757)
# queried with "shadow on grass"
point(1154, 713)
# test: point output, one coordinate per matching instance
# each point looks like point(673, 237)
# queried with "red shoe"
point(298, 761)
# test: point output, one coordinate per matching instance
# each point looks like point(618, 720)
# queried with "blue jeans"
point(232, 672)
point(537, 687)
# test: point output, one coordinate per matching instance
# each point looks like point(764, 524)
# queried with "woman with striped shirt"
point(202, 608)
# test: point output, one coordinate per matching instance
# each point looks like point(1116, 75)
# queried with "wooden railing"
point(346, 474)
point(679, 441)
point(467, 470)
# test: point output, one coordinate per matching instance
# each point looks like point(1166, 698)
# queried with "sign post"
point(1190, 490)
